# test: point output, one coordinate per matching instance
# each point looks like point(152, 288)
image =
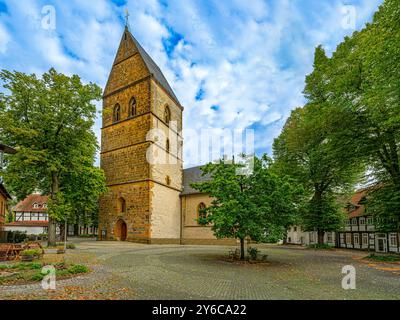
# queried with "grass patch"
point(22, 266)
point(383, 258)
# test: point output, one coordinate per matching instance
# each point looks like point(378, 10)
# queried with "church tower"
point(140, 151)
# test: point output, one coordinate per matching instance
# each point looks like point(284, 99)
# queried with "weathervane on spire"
point(126, 17)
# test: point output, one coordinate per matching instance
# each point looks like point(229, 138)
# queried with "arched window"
point(167, 146)
point(117, 113)
point(122, 205)
point(132, 107)
point(201, 213)
point(167, 115)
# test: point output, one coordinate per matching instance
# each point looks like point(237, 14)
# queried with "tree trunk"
point(321, 235)
point(76, 230)
point(51, 242)
point(52, 223)
point(242, 257)
point(62, 232)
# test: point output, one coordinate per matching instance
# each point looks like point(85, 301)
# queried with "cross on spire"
point(126, 17)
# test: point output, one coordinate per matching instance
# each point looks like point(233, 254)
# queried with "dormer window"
point(44, 205)
point(36, 205)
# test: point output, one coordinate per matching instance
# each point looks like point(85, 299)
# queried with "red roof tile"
point(27, 224)
point(355, 201)
point(26, 205)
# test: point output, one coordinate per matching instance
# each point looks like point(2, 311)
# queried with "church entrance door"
point(121, 230)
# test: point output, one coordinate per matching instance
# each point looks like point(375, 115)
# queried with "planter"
point(28, 258)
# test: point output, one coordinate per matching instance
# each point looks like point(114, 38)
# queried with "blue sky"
point(233, 64)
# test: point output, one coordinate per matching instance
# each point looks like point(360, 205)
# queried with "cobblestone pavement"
point(135, 271)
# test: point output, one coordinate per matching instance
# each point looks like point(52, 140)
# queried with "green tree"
point(363, 110)
point(49, 120)
point(308, 151)
point(260, 205)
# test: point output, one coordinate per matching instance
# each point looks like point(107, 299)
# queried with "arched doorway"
point(121, 230)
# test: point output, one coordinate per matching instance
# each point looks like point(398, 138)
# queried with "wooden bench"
point(11, 251)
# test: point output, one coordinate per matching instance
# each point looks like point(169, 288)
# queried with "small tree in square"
point(260, 205)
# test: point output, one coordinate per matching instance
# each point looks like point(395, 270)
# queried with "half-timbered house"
point(360, 232)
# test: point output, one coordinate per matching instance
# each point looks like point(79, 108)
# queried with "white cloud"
point(249, 58)
point(4, 39)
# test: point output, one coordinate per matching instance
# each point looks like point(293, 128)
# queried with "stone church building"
point(147, 201)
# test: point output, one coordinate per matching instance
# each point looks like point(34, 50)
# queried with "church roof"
point(192, 175)
point(153, 67)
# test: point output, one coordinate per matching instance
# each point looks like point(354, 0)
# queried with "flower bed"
point(25, 273)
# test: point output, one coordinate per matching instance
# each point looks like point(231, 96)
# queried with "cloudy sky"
point(233, 64)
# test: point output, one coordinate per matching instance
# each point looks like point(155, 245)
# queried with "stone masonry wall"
point(137, 215)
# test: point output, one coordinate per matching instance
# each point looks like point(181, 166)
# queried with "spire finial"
point(126, 17)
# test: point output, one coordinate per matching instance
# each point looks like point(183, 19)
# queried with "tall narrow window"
point(167, 146)
point(167, 115)
point(201, 214)
point(132, 107)
point(117, 113)
point(122, 205)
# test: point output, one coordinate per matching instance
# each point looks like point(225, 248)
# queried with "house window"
point(168, 180)
point(370, 221)
point(365, 239)
point(122, 205)
point(132, 107)
point(329, 237)
point(312, 237)
point(354, 221)
point(295, 229)
point(117, 113)
point(167, 115)
point(393, 239)
point(167, 147)
point(36, 205)
point(356, 239)
point(362, 221)
point(201, 214)
point(348, 238)
point(348, 222)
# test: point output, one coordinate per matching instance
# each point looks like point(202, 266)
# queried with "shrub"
point(253, 253)
point(37, 277)
point(28, 266)
point(77, 268)
point(71, 246)
point(16, 236)
point(383, 258)
point(32, 252)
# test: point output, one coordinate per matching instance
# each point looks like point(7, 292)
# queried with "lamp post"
point(65, 235)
